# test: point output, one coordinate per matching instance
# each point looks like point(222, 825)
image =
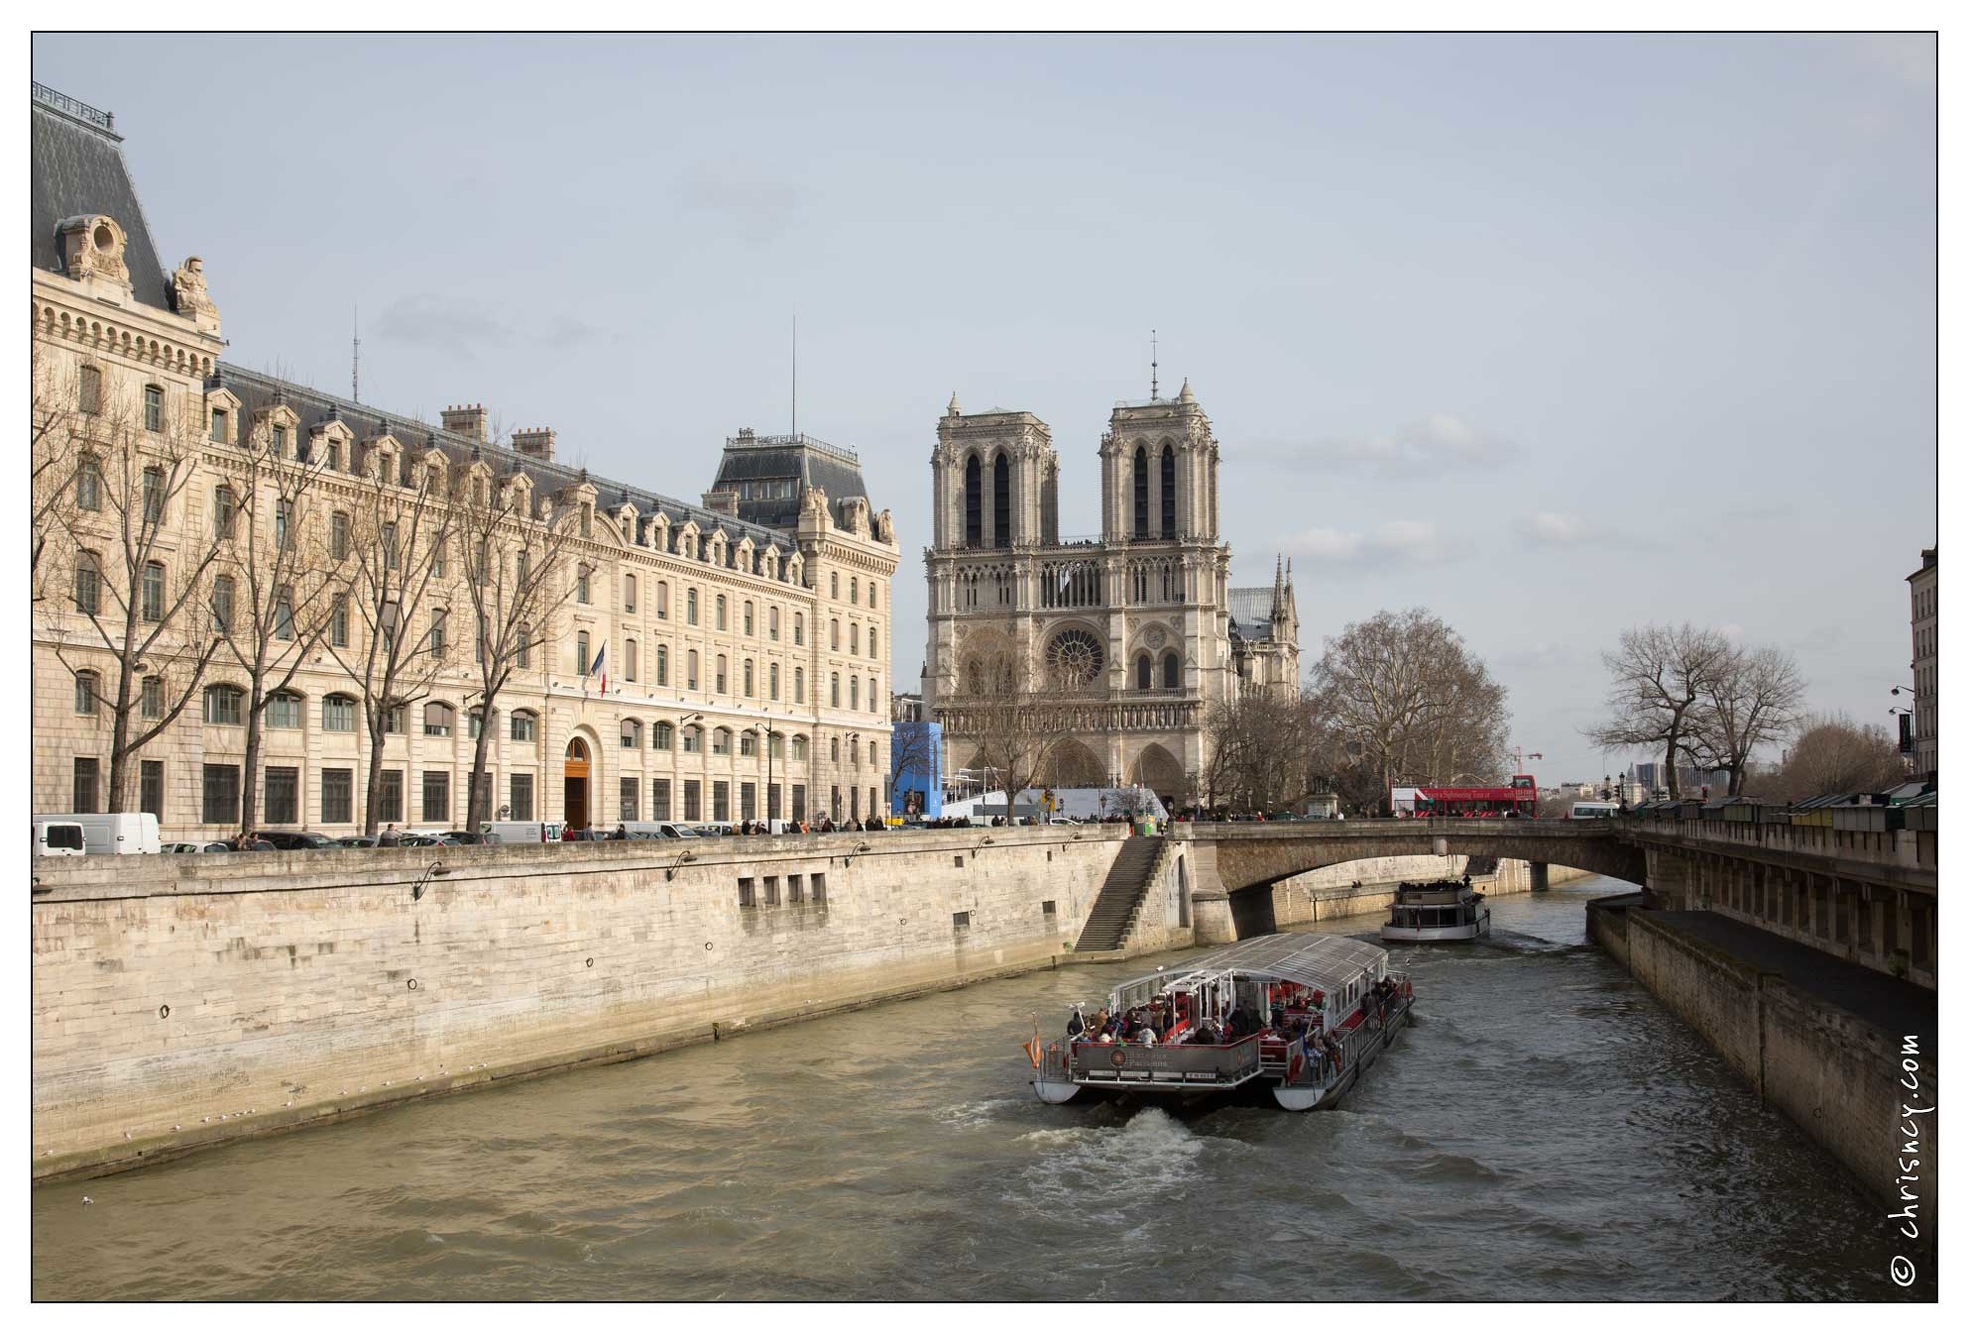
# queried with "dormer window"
point(218, 426)
point(587, 524)
point(279, 441)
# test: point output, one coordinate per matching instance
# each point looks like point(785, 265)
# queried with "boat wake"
point(1150, 1156)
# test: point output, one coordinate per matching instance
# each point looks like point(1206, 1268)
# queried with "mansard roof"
point(756, 458)
point(257, 391)
point(78, 171)
point(1251, 613)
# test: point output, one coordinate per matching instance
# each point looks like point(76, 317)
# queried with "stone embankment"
point(183, 1001)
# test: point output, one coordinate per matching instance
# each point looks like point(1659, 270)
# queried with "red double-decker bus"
point(1520, 798)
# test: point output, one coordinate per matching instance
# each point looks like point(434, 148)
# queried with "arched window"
point(284, 709)
point(1001, 502)
point(338, 713)
point(223, 704)
point(1144, 672)
point(693, 740)
point(973, 502)
point(632, 734)
point(1141, 525)
point(474, 722)
point(437, 719)
point(525, 725)
point(748, 743)
point(1172, 670)
point(661, 736)
point(800, 748)
point(721, 741)
point(1168, 491)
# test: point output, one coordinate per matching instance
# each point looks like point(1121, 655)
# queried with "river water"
point(1547, 1130)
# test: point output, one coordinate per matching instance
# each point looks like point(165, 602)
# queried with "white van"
point(523, 831)
point(127, 834)
point(1594, 810)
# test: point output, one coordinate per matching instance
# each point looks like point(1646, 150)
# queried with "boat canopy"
point(1322, 963)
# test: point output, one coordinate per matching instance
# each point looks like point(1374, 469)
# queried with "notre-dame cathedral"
point(1125, 640)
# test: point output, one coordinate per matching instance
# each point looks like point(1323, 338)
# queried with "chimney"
point(722, 502)
point(466, 420)
point(537, 443)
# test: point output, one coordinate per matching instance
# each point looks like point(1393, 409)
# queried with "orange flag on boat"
point(1032, 1047)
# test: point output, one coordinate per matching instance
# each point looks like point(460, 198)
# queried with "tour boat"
point(1300, 1015)
point(1436, 910)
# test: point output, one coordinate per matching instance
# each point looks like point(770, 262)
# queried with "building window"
point(721, 611)
point(721, 675)
point(87, 781)
point(628, 797)
point(280, 443)
point(748, 809)
point(799, 811)
point(693, 740)
point(284, 709)
point(88, 584)
point(220, 804)
point(745, 899)
point(834, 749)
point(437, 722)
point(395, 719)
point(222, 596)
point(88, 688)
point(799, 685)
point(663, 664)
point(218, 426)
point(690, 606)
point(389, 545)
point(748, 678)
point(630, 654)
point(338, 713)
point(854, 638)
point(748, 744)
point(153, 592)
point(721, 801)
point(799, 629)
point(662, 600)
point(1144, 673)
point(800, 749)
point(854, 590)
point(834, 585)
point(153, 408)
point(872, 635)
point(283, 793)
point(153, 697)
point(91, 396)
point(834, 635)
point(283, 616)
point(338, 621)
point(523, 647)
point(854, 692)
point(338, 536)
point(693, 799)
point(721, 741)
point(632, 734)
point(225, 509)
point(474, 723)
point(659, 799)
point(581, 584)
point(437, 794)
point(690, 670)
point(389, 796)
point(223, 705)
point(973, 502)
point(520, 788)
point(581, 644)
point(834, 690)
point(1140, 528)
point(337, 796)
point(748, 618)
point(438, 618)
point(772, 680)
point(522, 726)
point(772, 624)
point(1172, 671)
point(871, 595)
point(661, 736)
point(89, 484)
point(150, 788)
point(1168, 492)
point(153, 496)
point(628, 592)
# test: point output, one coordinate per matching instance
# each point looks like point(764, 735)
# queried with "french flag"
point(599, 667)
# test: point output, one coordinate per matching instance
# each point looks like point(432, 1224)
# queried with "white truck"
point(127, 834)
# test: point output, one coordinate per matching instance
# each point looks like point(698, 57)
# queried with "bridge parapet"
point(1908, 849)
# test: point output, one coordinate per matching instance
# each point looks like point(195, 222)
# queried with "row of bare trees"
point(1690, 692)
point(298, 558)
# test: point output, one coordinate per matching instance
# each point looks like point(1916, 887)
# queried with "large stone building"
point(722, 660)
point(1923, 592)
point(1122, 641)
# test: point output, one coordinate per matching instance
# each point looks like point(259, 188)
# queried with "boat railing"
point(1231, 1063)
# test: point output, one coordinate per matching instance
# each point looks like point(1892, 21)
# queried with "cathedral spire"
point(953, 410)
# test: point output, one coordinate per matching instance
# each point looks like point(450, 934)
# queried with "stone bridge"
point(1869, 897)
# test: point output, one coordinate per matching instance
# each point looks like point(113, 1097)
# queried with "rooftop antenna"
point(1155, 388)
point(796, 375)
point(355, 361)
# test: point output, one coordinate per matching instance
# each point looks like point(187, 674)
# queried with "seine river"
point(1546, 1131)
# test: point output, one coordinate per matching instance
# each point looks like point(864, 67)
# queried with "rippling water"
point(1547, 1130)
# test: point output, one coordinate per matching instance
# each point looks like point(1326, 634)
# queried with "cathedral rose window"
point(1074, 658)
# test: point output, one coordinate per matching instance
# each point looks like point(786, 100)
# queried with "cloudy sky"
point(1551, 335)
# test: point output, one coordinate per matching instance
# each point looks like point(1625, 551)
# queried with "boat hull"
point(1055, 1090)
point(1319, 1098)
point(1409, 935)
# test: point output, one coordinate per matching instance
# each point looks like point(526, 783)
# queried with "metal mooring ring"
point(163, 1012)
point(591, 963)
point(413, 984)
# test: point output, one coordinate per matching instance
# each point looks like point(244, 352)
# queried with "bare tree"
point(1832, 754)
point(54, 423)
point(1750, 701)
point(1262, 751)
point(517, 581)
point(402, 525)
point(114, 520)
point(1661, 674)
point(1398, 698)
point(277, 580)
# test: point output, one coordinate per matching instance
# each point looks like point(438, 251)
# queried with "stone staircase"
point(1120, 899)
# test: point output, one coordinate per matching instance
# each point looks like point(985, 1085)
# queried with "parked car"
point(248, 845)
point(358, 841)
point(214, 845)
point(428, 841)
point(467, 838)
point(295, 840)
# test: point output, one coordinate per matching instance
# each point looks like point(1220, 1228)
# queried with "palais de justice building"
point(1123, 641)
point(741, 638)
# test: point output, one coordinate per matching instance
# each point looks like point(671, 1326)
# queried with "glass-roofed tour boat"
point(1436, 910)
point(1301, 1015)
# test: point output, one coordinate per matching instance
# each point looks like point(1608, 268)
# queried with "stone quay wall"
point(182, 1001)
point(1840, 1079)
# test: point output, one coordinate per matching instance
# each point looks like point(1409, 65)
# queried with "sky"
point(1551, 335)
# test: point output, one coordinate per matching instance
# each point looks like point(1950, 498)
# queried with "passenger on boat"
point(1206, 1033)
point(1075, 1025)
point(1146, 1035)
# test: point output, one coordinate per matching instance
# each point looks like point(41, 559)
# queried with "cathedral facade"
point(1123, 642)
